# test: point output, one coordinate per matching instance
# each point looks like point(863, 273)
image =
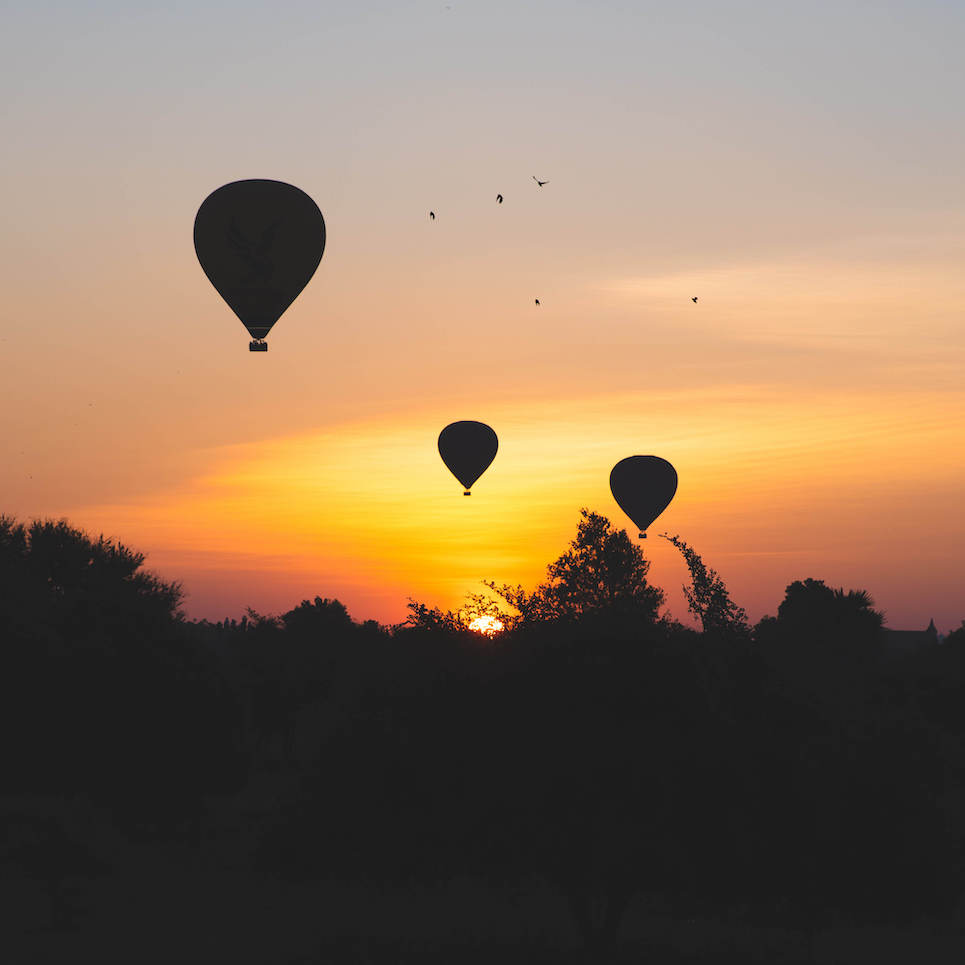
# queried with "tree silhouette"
point(316, 619)
point(602, 573)
point(100, 683)
point(849, 821)
point(430, 619)
point(76, 587)
point(828, 639)
point(956, 638)
point(815, 612)
point(435, 620)
point(708, 599)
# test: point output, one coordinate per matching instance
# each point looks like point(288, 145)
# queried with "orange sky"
point(770, 491)
point(812, 401)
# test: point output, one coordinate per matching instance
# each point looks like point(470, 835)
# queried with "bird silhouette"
point(694, 299)
point(537, 301)
point(499, 198)
point(540, 183)
point(432, 216)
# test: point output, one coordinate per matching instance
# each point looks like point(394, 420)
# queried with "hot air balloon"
point(643, 486)
point(259, 242)
point(467, 449)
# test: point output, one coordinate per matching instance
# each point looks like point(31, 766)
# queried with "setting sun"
point(486, 624)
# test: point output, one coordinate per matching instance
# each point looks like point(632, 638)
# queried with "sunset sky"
point(798, 167)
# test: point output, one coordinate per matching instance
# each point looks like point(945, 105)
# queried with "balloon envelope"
point(467, 448)
point(259, 242)
point(643, 486)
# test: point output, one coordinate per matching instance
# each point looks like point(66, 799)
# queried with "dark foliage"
point(101, 689)
point(708, 599)
point(789, 776)
point(602, 572)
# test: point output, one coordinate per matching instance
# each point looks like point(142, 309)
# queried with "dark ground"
point(157, 904)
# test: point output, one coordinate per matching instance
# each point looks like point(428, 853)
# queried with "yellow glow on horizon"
point(369, 509)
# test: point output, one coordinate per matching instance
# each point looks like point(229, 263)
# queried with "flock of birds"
point(643, 486)
point(499, 200)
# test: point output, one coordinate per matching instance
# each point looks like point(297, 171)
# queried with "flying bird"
point(432, 216)
point(499, 198)
point(540, 183)
point(694, 299)
point(537, 301)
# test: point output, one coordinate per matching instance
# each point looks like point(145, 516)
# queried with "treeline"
point(794, 772)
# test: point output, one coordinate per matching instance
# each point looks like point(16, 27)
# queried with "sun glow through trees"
point(486, 624)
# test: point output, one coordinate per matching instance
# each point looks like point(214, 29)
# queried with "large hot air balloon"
point(467, 449)
point(643, 486)
point(259, 242)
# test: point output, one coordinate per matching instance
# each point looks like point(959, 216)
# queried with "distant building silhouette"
point(908, 641)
